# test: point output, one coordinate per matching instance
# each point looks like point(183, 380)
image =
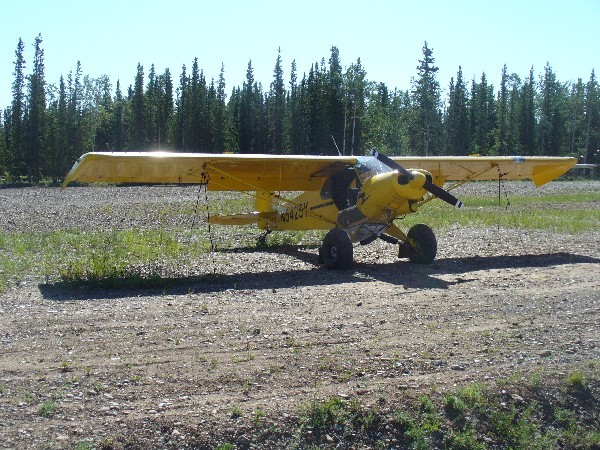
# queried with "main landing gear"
point(420, 247)
point(337, 251)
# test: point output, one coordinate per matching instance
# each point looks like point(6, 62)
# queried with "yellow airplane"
point(356, 198)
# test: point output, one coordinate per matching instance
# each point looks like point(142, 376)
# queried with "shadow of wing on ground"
point(401, 273)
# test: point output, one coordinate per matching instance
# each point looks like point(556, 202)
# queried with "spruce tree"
point(276, 108)
point(551, 114)
point(151, 109)
point(36, 115)
point(426, 129)
point(355, 89)
point(75, 135)
point(182, 114)
point(457, 119)
point(514, 102)
point(233, 110)
point(60, 155)
point(527, 121)
point(592, 112)
point(576, 120)
point(399, 123)
point(247, 114)
point(223, 139)
point(198, 110)
point(17, 137)
point(137, 106)
point(314, 102)
point(97, 110)
point(336, 104)
point(118, 139)
point(295, 119)
point(3, 152)
point(165, 109)
point(483, 116)
point(502, 111)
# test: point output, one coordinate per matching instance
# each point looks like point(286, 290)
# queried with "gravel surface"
point(274, 331)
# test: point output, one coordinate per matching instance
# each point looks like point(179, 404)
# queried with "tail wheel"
point(425, 244)
point(337, 251)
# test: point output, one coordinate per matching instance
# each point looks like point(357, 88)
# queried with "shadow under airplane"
point(401, 273)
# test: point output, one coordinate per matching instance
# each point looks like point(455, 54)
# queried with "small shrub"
point(473, 395)
point(575, 381)
point(425, 404)
point(454, 406)
point(320, 416)
point(225, 446)
point(565, 418)
point(47, 409)
point(84, 446)
point(258, 415)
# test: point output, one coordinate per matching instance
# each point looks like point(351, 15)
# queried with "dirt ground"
point(204, 362)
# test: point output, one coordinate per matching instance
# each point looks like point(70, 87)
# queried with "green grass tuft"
point(47, 409)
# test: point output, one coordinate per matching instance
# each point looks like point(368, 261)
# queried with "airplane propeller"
point(406, 176)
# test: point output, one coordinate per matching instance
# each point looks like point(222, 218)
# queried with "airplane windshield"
point(367, 166)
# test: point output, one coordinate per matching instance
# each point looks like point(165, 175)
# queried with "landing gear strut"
point(262, 239)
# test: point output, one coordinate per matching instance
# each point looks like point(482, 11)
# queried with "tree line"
point(329, 110)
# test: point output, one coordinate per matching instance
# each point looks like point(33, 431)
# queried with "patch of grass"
point(534, 380)
point(258, 415)
point(571, 213)
point(340, 417)
point(225, 446)
point(73, 256)
point(106, 444)
point(454, 406)
point(85, 445)
point(248, 356)
point(135, 378)
point(236, 412)
point(473, 417)
point(47, 409)
point(575, 380)
point(318, 416)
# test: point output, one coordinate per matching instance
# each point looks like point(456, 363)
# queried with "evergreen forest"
point(328, 109)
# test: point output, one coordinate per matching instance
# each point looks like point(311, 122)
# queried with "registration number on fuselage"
point(294, 213)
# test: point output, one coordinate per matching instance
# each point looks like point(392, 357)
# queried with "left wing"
point(222, 172)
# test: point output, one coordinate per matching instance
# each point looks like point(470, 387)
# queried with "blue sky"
point(110, 37)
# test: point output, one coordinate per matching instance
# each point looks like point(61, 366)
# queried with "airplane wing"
point(234, 172)
point(222, 172)
point(539, 169)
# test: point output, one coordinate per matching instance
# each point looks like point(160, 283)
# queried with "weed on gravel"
point(556, 412)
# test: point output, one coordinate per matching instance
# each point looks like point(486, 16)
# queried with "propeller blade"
point(392, 164)
point(442, 194)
